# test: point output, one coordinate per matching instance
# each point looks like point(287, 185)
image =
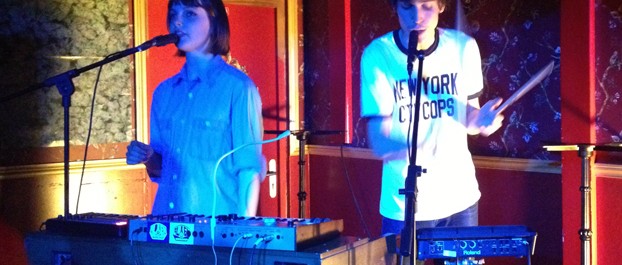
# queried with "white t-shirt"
point(451, 76)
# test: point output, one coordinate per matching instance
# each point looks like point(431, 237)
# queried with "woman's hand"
point(138, 153)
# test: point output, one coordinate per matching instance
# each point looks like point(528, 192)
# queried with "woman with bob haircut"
point(197, 116)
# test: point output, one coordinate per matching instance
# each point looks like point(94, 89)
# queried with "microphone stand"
point(303, 136)
point(66, 88)
point(408, 245)
point(302, 195)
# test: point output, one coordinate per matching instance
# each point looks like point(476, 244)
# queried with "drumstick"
point(535, 79)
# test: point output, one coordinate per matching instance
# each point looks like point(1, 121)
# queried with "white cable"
point(265, 238)
point(215, 188)
point(212, 224)
point(256, 244)
point(245, 236)
point(214, 252)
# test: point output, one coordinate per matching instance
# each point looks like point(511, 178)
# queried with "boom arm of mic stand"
point(76, 72)
point(64, 79)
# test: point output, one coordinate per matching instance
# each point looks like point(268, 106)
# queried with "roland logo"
point(471, 252)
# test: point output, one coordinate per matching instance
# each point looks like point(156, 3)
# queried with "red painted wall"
point(347, 189)
point(524, 198)
point(577, 79)
point(609, 219)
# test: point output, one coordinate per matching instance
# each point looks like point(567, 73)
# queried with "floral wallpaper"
point(517, 39)
point(609, 72)
point(41, 39)
point(317, 66)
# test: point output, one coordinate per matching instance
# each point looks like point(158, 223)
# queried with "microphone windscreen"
point(166, 39)
point(413, 39)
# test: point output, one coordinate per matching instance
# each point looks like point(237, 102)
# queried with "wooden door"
point(258, 43)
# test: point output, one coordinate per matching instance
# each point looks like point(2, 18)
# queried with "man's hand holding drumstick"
point(488, 118)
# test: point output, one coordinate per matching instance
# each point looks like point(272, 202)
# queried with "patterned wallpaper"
point(317, 66)
point(609, 72)
point(516, 39)
point(41, 39)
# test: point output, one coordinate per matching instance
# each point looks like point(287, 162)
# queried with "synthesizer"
point(234, 231)
point(90, 224)
point(475, 242)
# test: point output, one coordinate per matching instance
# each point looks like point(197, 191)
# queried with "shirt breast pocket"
point(211, 138)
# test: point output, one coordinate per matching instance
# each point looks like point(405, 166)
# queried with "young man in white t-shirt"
point(447, 193)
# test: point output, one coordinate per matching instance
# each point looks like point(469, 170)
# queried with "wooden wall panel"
point(27, 201)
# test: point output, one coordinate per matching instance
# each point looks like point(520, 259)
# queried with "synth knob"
point(473, 244)
point(463, 244)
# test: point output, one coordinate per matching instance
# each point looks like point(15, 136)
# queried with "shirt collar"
point(209, 69)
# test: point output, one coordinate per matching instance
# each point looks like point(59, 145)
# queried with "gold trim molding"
point(30, 171)
point(140, 64)
point(498, 163)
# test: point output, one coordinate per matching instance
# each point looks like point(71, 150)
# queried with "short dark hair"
point(394, 2)
point(219, 23)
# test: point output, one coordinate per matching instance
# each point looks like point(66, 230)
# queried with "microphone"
point(413, 39)
point(159, 41)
